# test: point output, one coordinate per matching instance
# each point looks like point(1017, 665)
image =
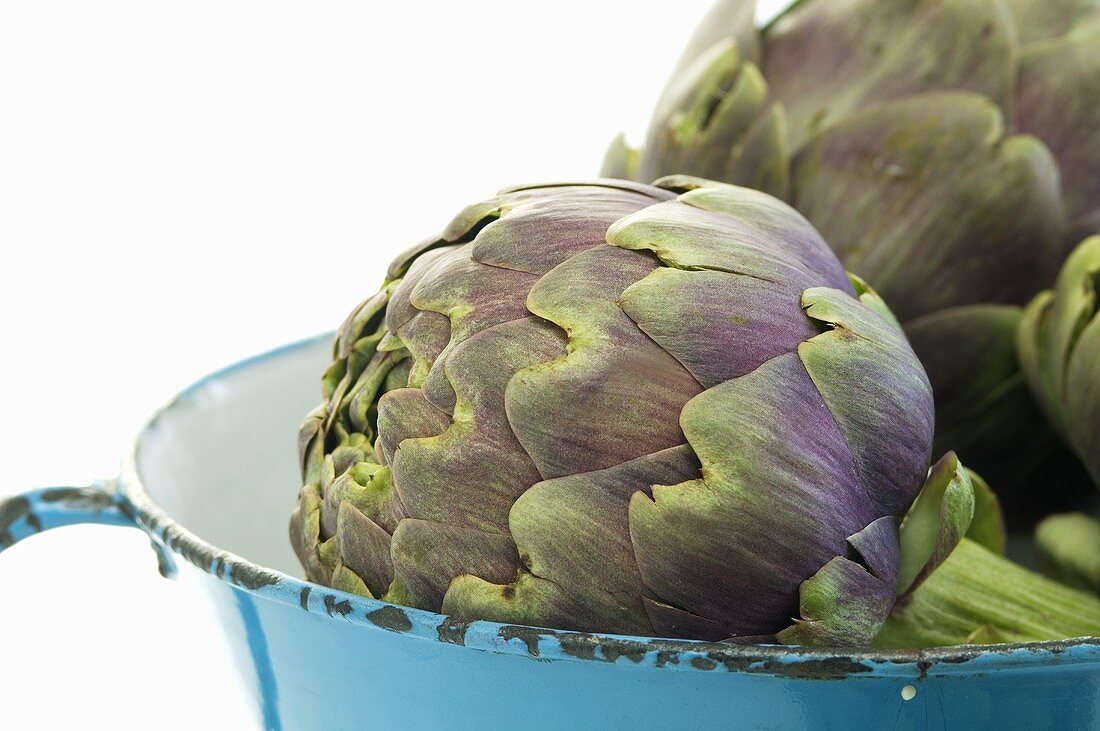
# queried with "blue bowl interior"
point(222, 459)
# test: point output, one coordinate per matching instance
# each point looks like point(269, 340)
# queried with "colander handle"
point(46, 508)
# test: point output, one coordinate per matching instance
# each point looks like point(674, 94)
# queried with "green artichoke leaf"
point(717, 122)
point(729, 23)
point(1075, 306)
point(975, 595)
point(987, 528)
point(1069, 549)
point(305, 532)
point(681, 183)
point(729, 242)
point(936, 522)
point(347, 580)
point(846, 598)
point(429, 554)
point(620, 160)
point(355, 343)
point(311, 447)
point(1036, 359)
point(1083, 413)
point(869, 297)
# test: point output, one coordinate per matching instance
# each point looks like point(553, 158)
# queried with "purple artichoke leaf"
point(364, 548)
point(573, 543)
point(1059, 101)
point(851, 603)
point(886, 428)
point(939, 207)
point(609, 365)
point(707, 228)
point(824, 60)
point(546, 246)
point(428, 470)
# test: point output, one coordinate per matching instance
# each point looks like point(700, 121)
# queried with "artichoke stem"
point(977, 596)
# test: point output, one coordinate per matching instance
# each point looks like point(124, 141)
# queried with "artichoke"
point(1059, 348)
point(946, 150)
point(656, 410)
point(826, 63)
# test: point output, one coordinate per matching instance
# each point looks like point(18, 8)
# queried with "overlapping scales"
point(647, 413)
point(946, 150)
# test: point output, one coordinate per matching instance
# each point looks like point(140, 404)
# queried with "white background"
point(183, 185)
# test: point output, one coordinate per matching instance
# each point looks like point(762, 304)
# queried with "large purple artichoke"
point(612, 407)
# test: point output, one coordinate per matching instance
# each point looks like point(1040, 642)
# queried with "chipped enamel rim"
point(549, 644)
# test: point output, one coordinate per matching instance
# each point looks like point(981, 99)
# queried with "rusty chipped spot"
point(12, 510)
point(453, 631)
point(342, 607)
point(528, 635)
point(391, 617)
point(87, 498)
point(665, 657)
point(703, 663)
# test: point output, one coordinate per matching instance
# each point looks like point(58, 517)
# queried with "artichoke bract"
point(946, 150)
point(655, 410)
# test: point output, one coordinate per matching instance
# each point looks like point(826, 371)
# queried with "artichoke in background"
point(821, 61)
point(946, 150)
point(1059, 348)
point(656, 410)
